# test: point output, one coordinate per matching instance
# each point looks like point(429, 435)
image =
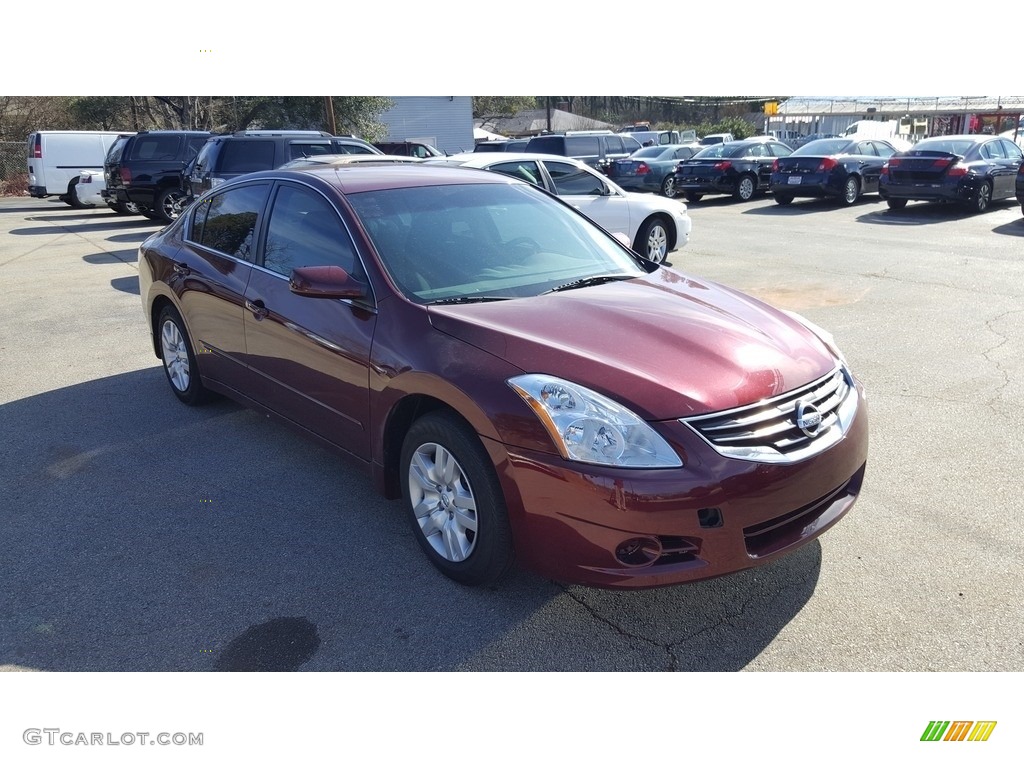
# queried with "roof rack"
point(280, 132)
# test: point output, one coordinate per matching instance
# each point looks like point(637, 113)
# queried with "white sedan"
point(88, 193)
point(654, 225)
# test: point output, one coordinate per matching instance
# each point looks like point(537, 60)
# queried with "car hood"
point(665, 345)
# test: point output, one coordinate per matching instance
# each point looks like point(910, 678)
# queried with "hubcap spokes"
point(657, 245)
point(443, 502)
point(175, 356)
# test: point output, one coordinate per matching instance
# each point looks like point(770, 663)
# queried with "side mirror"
point(325, 283)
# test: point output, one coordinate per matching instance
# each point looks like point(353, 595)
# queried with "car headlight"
point(826, 338)
point(589, 427)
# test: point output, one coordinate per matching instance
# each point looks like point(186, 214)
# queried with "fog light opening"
point(710, 517)
point(638, 552)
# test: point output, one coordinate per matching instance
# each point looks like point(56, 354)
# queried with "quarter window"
point(226, 222)
point(305, 231)
point(526, 170)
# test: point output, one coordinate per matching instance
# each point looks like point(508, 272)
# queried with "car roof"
point(480, 159)
point(368, 177)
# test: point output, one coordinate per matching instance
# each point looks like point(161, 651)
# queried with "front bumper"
point(623, 529)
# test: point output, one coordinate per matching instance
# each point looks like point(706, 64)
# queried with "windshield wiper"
point(583, 282)
point(469, 299)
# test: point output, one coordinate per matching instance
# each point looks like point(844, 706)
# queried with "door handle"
point(258, 309)
point(181, 269)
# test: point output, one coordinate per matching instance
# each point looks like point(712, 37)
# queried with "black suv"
point(225, 157)
point(596, 149)
point(144, 170)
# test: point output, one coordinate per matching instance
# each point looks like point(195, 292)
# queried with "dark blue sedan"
point(972, 170)
point(839, 168)
point(1020, 187)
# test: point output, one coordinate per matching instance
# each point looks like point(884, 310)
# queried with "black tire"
point(125, 209)
point(474, 547)
point(179, 359)
point(851, 190)
point(168, 205)
point(746, 188)
point(72, 198)
point(896, 203)
point(652, 240)
point(982, 200)
point(693, 197)
point(668, 186)
point(782, 199)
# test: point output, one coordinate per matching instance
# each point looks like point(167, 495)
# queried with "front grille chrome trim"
point(767, 431)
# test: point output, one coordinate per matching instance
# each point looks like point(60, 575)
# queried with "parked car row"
point(971, 170)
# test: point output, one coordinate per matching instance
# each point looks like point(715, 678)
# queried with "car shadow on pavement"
point(918, 213)
point(140, 534)
point(123, 256)
point(126, 284)
point(78, 226)
point(807, 205)
point(1014, 228)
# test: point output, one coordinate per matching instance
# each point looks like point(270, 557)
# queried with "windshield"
point(825, 147)
point(485, 241)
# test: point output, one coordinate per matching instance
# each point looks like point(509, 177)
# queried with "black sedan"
point(972, 170)
point(837, 168)
point(651, 169)
point(737, 168)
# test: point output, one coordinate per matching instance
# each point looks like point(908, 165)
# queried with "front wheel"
point(896, 203)
point(746, 188)
point(851, 190)
point(652, 240)
point(179, 359)
point(982, 199)
point(454, 501)
point(668, 186)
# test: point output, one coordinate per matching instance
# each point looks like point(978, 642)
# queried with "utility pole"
point(329, 105)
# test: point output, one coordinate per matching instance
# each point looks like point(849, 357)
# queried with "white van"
point(57, 158)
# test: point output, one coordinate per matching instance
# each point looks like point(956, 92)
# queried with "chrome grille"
point(786, 428)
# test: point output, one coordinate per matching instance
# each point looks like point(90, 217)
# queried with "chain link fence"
point(13, 168)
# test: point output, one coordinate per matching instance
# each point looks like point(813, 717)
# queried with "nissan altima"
point(531, 389)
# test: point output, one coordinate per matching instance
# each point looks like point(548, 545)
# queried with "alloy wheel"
point(175, 354)
point(657, 243)
point(443, 502)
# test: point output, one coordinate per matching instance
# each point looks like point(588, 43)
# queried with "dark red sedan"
point(533, 390)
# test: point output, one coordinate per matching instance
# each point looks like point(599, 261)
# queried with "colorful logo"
point(958, 730)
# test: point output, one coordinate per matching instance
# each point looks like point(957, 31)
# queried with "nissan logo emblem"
point(808, 418)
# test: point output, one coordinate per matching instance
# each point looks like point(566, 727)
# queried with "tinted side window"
point(155, 147)
point(230, 220)
point(780, 150)
point(1012, 150)
point(570, 180)
point(884, 150)
point(630, 145)
point(613, 145)
point(581, 146)
point(548, 145)
point(305, 231)
point(865, 148)
point(308, 149)
point(193, 145)
point(526, 170)
point(246, 156)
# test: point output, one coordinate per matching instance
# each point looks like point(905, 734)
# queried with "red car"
point(534, 390)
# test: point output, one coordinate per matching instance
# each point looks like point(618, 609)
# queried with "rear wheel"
point(125, 208)
point(746, 188)
point(668, 186)
point(851, 190)
point(982, 199)
point(72, 197)
point(693, 197)
point(168, 205)
point(179, 359)
point(652, 240)
point(782, 199)
point(896, 203)
point(454, 501)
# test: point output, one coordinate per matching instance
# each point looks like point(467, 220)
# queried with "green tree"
point(486, 107)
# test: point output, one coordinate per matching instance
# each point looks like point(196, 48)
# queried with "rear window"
point(155, 148)
point(117, 149)
point(953, 146)
point(549, 145)
point(824, 147)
